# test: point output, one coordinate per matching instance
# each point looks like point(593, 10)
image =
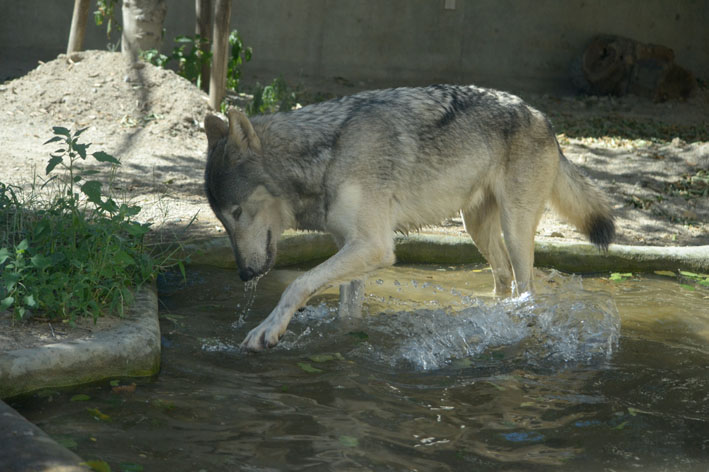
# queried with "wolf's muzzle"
point(247, 274)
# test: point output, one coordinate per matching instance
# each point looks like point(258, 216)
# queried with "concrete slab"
point(294, 248)
point(132, 349)
point(26, 448)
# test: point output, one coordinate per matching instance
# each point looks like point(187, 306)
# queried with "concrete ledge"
point(130, 350)
point(26, 448)
point(295, 248)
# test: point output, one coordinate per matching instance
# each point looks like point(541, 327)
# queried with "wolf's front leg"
point(354, 259)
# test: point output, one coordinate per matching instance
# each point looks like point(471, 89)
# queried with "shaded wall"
point(513, 44)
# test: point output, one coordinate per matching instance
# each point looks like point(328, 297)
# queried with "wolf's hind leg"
point(518, 227)
point(483, 225)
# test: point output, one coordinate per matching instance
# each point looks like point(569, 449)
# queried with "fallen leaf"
point(309, 368)
point(124, 388)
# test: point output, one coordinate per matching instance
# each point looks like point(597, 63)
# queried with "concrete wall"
point(513, 44)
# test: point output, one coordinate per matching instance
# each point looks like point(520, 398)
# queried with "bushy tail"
point(577, 200)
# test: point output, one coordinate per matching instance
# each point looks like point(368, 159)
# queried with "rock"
point(614, 65)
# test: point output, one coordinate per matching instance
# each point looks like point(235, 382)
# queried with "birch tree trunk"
point(203, 10)
point(220, 39)
point(142, 25)
point(78, 26)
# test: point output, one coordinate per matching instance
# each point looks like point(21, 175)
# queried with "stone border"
point(130, 350)
point(295, 247)
point(27, 448)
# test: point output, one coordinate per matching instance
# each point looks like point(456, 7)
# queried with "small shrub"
point(77, 252)
point(274, 97)
point(240, 55)
point(190, 58)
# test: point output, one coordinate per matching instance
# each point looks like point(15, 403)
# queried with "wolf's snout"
point(247, 274)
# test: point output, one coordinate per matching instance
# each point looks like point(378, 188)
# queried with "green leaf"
point(92, 189)
point(635, 411)
point(130, 467)
point(30, 301)
point(66, 442)
point(54, 139)
point(53, 162)
point(97, 414)
point(105, 157)
point(326, 357)
point(78, 132)
point(618, 276)
point(309, 368)
point(114, 383)
point(97, 466)
point(6, 303)
point(349, 441)
point(691, 288)
point(4, 254)
point(22, 247)
point(80, 398)
point(61, 131)
point(81, 149)
point(40, 261)
point(123, 258)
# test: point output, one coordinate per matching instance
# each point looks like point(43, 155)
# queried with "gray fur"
point(364, 166)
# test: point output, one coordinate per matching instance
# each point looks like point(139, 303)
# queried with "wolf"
point(366, 166)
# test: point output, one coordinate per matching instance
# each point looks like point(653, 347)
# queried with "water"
point(589, 375)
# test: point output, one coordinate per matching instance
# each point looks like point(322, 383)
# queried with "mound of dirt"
point(103, 90)
point(148, 117)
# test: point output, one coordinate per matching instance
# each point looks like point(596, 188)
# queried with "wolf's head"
point(241, 194)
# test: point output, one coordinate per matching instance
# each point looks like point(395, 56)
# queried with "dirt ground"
point(151, 119)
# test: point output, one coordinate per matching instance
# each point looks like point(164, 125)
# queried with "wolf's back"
point(576, 199)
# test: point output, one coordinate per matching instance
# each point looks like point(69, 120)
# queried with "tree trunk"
point(142, 26)
point(203, 10)
point(220, 40)
point(78, 26)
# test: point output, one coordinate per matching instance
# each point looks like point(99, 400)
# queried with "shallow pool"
point(591, 374)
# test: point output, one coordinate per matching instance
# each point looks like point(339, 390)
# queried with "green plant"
point(190, 58)
point(106, 13)
point(274, 97)
point(77, 252)
point(240, 54)
point(188, 55)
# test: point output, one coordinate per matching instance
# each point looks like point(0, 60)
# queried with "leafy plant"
point(106, 13)
point(78, 252)
point(240, 54)
point(620, 276)
point(190, 58)
point(274, 97)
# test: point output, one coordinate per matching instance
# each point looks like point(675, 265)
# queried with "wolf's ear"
point(241, 132)
point(215, 128)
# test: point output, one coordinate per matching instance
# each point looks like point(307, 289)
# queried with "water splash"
point(249, 299)
point(564, 325)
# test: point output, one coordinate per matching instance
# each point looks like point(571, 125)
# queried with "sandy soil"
point(150, 119)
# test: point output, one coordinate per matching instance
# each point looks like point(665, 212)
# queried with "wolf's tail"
point(577, 200)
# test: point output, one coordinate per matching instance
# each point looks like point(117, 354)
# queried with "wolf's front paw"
point(261, 337)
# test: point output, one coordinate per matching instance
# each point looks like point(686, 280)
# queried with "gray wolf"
point(365, 166)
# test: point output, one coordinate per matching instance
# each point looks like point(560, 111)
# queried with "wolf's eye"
point(236, 213)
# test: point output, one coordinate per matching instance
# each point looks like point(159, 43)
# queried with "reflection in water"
point(436, 377)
